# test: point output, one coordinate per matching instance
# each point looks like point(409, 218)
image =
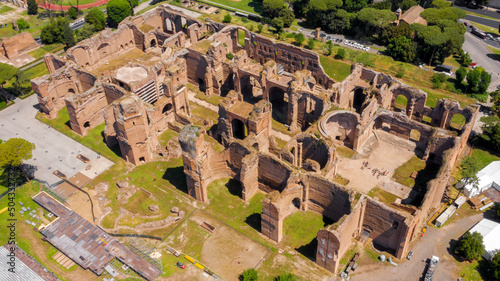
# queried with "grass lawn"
point(212, 99)
point(251, 6)
point(40, 52)
point(5, 9)
point(382, 195)
point(36, 25)
point(203, 113)
point(490, 120)
point(484, 156)
point(452, 61)
point(495, 51)
point(486, 28)
point(227, 206)
point(336, 69)
point(345, 151)
point(80, 2)
point(401, 102)
point(457, 121)
point(403, 173)
point(3, 103)
point(277, 126)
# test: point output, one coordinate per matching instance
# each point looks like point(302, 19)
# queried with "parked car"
point(409, 255)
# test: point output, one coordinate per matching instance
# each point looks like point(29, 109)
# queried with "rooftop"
point(87, 244)
point(490, 231)
point(27, 268)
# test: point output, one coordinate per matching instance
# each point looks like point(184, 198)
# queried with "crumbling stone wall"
point(13, 46)
point(83, 115)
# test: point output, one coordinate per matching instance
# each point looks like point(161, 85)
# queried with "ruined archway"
point(153, 43)
point(167, 108)
point(201, 85)
point(239, 129)
point(250, 89)
point(358, 99)
point(401, 102)
point(279, 100)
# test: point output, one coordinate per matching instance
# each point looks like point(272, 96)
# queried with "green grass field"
point(336, 69)
point(5, 9)
point(484, 156)
point(403, 173)
point(382, 195)
point(251, 6)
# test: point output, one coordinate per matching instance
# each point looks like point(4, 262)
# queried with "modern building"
point(490, 231)
point(488, 177)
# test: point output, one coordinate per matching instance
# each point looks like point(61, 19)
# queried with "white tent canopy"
point(488, 177)
point(490, 231)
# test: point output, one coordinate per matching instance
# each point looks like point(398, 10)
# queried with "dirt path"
point(435, 242)
point(12, 15)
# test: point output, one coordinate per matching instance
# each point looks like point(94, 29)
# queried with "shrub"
point(311, 43)
point(259, 28)
point(437, 80)
point(227, 18)
point(249, 275)
point(470, 246)
point(22, 24)
point(32, 7)
point(73, 12)
point(286, 277)
point(229, 56)
point(96, 18)
point(340, 54)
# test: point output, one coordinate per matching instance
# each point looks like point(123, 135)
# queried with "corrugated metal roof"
point(22, 271)
point(490, 231)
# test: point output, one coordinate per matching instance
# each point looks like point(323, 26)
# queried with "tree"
point(340, 54)
point(355, 5)
point(73, 13)
point(402, 48)
point(299, 38)
point(46, 4)
point(7, 72)
point(311, 43)
point(32, 7)
point(96, 18)
point(272, 8)
point(372, 20)
point(484, 83)
point(278, 24)
point(460, 75)
point(437, 80)
point(286, 277)
point(118, 10)
point(227, 18)
point(383, 5)
point(249, 275)
point(491, 136)
point(287, 16)
point(465, 59)
point(473, 78)
point(468, 171)
point(259, 28)
point(440, 4)
point(495, 99)
point(14, 151)
point(495, 266)
point(22, 24)
point(20, 78)
point(470, 246)
point(85, 32)
point(407, 4)
point(69, 36)
point(54, 32)
point(329, 48)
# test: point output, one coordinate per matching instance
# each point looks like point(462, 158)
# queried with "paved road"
point(435, 242)
point(484, 12)
point(483, 21)
point(54, 151)
point(481, 55)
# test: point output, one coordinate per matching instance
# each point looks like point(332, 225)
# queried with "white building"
point(490, 231)
point(488, 177)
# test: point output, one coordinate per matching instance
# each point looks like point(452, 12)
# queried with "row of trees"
point(252, 275)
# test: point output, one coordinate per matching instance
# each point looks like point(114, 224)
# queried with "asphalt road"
point(484, 12)
point(483, 21)
point(482, 56)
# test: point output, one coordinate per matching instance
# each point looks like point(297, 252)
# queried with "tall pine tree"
point(32, 7)
point(69, 36)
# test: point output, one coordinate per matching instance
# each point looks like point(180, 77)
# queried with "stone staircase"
point(147, 93)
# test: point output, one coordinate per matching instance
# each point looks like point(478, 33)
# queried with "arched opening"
point(227, 86)
point(201, 84)
point(414, 135)
point(239, 129)
point(279, 101)
point(250, 89)
point(142, 159)
point(71, 91)
point(358, 99)
point(153, 43)
point(104, 49)
point(167, 108)
point(401, 103)
point(86, 124)
point(296, 203)
point(457, 121)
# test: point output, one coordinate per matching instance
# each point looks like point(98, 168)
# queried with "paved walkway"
point(54, 7)
point(54, 151)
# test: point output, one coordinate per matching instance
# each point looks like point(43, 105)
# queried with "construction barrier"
point(189, 258)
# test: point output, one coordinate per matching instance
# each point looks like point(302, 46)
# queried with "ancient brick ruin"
point(135, 79)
